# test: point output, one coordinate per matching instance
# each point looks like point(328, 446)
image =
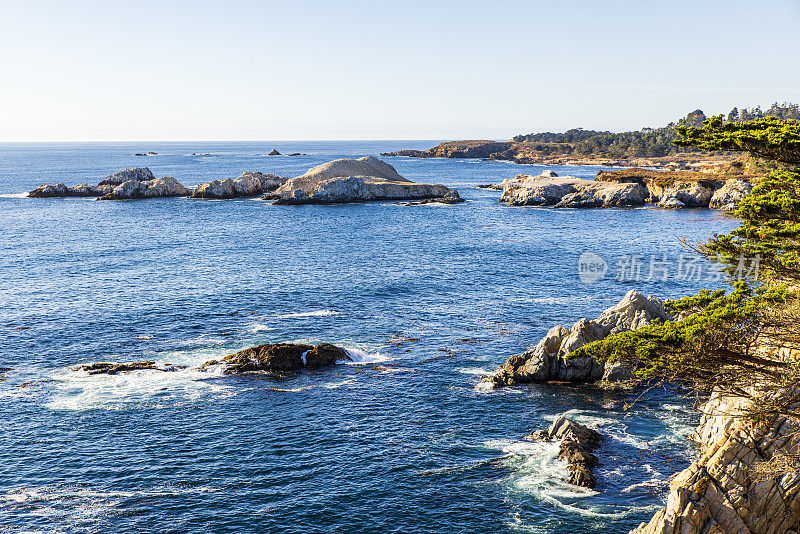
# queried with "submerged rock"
point(352, 180)
point(109, 368)
point(249, 184)
point(280, 357)
point(548, 359)
point(135, 189)
point(577, 443)
point(450, 198)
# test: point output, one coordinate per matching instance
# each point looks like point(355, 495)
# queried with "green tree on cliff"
point(729, 342)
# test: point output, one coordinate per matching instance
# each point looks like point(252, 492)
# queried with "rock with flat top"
point(549, 189)
point(352, 180)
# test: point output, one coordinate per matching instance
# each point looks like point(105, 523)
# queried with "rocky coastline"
point(576, 444)
point(631, 187)
point(527, 153)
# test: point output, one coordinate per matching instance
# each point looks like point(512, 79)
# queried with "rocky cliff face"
point(548, 359)
point(348, 180)
point(458, 149)
point(720, 492)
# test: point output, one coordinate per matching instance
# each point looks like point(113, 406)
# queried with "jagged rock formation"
point(349, 180)
point(720, 492)
point(135, 189)
point(569, 192)
point(547, 360)
point(577, 443)
point(280, 357)
point(249, 184)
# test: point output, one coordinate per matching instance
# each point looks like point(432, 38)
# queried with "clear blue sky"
point(238, 70)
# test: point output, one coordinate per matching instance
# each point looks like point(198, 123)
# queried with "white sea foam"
point(479, 371)
point(358, 357)
point(255, 328)
point(80, 391)
point(14, 195)
point(315, 313)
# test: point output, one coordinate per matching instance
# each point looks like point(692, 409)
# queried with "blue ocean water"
point(400, 441)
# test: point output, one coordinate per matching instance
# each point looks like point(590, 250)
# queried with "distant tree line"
point(649, 142)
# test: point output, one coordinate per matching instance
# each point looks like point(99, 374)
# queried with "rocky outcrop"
point(722, 492)
point(108, 368)
point(683, 189)
point(577, 443)
point(126, 184)
point(279, 357)
point(548, 359)
point(549, 189)
point(134, 189)
point(729, 196)
point(450, 198)
point(349, 180)
point(139, 174)
point(274, 152)
point(249, 184)
point(457, 149)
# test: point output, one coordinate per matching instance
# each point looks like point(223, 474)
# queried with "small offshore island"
point(335, 182)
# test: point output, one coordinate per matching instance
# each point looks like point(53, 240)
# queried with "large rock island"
point(354, 180)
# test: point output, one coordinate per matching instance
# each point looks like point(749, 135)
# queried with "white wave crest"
point(14, 195)
point(359, 357)
point(315, 313)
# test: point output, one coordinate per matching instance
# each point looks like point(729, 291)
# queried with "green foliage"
point(646, 143)
point(770, 228)
point(767, 137)
point(660, 348)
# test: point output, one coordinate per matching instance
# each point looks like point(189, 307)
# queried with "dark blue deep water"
point(401, 441)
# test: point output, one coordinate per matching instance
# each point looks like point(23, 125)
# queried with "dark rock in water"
point(108, 368)
point(577, 443)
point(140, 174)
point(450, 198)
point(50, 191)
point(274, 152)
point(3, 371)
point(280, 357)
point(247, 185)
point(297, 154)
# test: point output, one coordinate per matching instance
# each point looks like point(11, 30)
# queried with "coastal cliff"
point(722, 491)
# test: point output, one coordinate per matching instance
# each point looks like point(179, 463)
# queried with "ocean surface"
point(427, 297)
